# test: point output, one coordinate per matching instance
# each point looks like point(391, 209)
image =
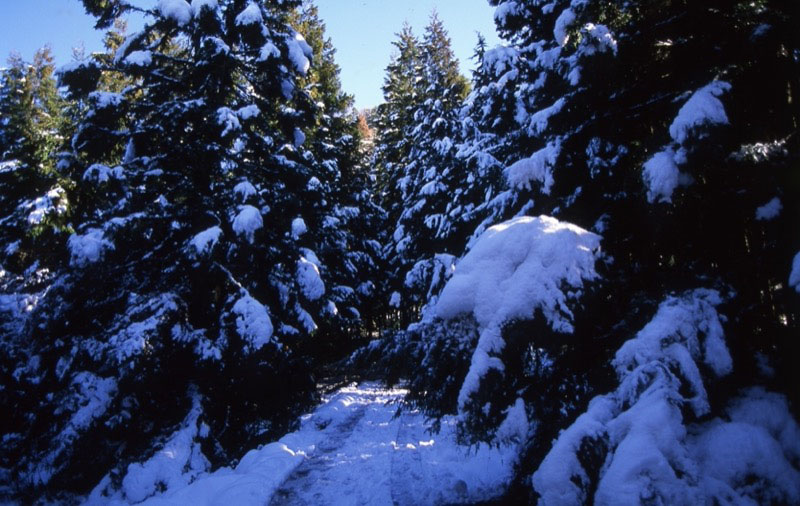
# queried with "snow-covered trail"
point(372, 456)
point(353, 450)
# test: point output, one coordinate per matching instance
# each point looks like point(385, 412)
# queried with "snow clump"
point(769, 210)
point(247, 222)
point(177, 10)
point(513, 269)
point(253, 322)
point(87, 248)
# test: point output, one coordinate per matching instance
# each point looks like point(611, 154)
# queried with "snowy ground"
point(354, 450)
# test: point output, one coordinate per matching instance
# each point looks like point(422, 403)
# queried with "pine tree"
point(189, 299)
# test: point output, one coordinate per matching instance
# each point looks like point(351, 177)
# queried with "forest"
point(585, 254)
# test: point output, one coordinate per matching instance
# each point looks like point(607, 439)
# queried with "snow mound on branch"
point(205, 240)
point(244, 190)
point(87, 248)
point(228, 118)
point(514, 269)
point(639, 441)
point(102, 173)
point(177, 10)
point(105, 99)
point(661, 176)
point(518, 266)
point(298, 227)
point(309, 279)
point(247, 222)
point(253, 322)
point(794, 276)
point(702, 107)
point(251, 15)
point(299, 53)
point(769, 210)
point(537, 167)
point(563, 23)
point(175, 465)
point(139, 58)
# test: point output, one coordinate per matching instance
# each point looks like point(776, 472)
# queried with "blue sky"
point(361, 31)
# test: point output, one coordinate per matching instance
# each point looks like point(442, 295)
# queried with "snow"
point(139, 58)
point(639, 434)
point(104, 99)
point(602, 35)
point(178, 462)
point(248, 111)
point(53, 202)
point(537, 122)
point(685, 320)
point(299, 137)
point(752, 458)
point(505, 9)
point(199, 5)
point(353, 449)
point(794, 276)
point(102, 173)
point(769, 210)
point(394, 299)
point(247, 222)
point(305, 318)
point(143, 320)
point(563, 23)
point(299, 53)
point(298, 227)
point(244, 190)
point(178, 11)
point(9, 166)
point(87, 248)
point(228, 118)
point(661, 176)
point(269, 50)
point(309, 279)
point(206, 240)
point(251, 15)
point(515, 426)
point(512, 270)
point(703, 107)
point(252, 322)
point(89, 398)
point(538, 167)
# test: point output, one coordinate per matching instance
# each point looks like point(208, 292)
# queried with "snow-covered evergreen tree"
point(421, 248)
point(346, 234)
point(189, 299)
point(33, 213)
point(648, 128)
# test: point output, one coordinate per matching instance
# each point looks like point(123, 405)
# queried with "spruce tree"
point(345, 235)
point(653, 127)
point(422, 244)
point(189, 298)
point(394, 121)
point(33, 200)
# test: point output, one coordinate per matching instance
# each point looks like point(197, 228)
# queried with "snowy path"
point(352, 450)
